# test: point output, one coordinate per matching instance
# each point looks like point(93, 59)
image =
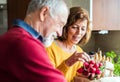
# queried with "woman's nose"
point(79, 31)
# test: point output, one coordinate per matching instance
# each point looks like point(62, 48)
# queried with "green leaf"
point(113, 55)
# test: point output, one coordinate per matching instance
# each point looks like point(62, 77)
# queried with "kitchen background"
point(104, 16)
point(3, 16)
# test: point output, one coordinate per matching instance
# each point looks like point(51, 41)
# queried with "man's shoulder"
point(18, 36)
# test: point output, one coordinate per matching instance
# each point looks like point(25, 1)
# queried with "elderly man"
point(22, 54)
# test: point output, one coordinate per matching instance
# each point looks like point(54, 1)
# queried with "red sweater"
point(24, 59)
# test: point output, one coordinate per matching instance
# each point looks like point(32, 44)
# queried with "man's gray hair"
point(57, 7)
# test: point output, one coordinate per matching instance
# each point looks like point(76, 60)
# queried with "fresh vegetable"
point(91, 69)
point(116, 61)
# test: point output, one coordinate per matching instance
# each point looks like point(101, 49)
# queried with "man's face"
point(53, 29)
point(48, 40)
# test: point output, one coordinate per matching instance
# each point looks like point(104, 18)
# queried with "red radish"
point(92, 62)
point(86, 64)
point(96, 65)
point(100, 64)
point(98, 71)
point(85, 73)
point(89, 69)
point(92, 76)
point(80, 70)
point(91, 66)
point(93, 70)
point(88, 74)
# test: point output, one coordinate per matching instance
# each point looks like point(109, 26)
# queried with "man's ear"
point(44, 11)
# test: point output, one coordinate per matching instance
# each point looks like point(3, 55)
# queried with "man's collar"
point(28, 28)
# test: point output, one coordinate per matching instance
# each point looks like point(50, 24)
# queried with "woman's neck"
point(68, 45)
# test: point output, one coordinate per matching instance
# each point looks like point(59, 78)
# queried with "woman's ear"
point(44, 11)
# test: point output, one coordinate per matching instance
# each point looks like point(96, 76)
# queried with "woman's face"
point(77, 31)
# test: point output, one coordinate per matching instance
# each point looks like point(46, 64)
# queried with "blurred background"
point(104, 17)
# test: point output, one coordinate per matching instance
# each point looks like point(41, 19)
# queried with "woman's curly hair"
point(77, 13)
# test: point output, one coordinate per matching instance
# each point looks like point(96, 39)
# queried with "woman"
point(64, 52)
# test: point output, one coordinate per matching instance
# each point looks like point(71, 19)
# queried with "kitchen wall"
point(3, 17)
point(83, 3)
point(106, 42)
point(3, 1)
point(86, 4)
point(90, 46)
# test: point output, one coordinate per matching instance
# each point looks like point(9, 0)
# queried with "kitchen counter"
point(104, 79)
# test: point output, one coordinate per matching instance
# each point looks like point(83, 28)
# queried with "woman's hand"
point(77, 57)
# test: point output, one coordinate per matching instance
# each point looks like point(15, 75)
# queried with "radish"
point(92, 76)
point(93, 70)
point(96, 65)
point(85, 73)
point(92, 62)
point(80, 70)
point(100, 64)
point(98, 71)
point(86, 64)
point(91, 66)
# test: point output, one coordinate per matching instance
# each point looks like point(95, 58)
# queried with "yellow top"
point(57, 57)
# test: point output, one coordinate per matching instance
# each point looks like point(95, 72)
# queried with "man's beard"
point(47, 41)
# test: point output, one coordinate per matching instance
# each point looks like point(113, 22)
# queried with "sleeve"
point(51, 56)
point(30, 62)
point(79, 49)
point(63, 67)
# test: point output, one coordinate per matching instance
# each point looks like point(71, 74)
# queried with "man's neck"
point(33, 21)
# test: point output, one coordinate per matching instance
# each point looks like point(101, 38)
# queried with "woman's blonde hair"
point(77, 13)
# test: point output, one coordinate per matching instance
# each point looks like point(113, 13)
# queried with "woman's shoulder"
point(54, 45)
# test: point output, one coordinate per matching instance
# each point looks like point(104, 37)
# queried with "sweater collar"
point(28, 28)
